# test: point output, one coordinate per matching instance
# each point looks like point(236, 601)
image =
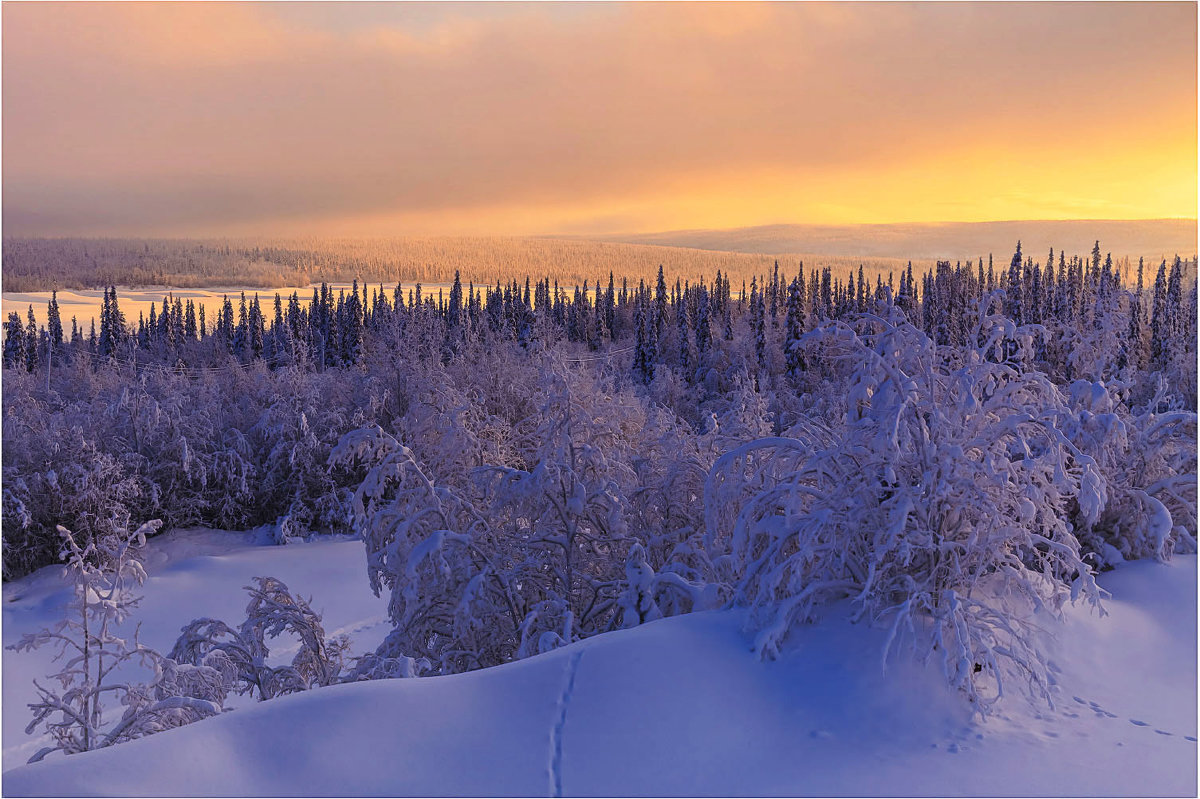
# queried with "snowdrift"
point(679, 706)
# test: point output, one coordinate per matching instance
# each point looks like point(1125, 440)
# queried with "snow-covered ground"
point(679, 706)
point(85, 304)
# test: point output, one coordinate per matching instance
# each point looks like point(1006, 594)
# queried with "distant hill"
point(1152, 238)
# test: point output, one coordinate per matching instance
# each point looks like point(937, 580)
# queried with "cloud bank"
point(380, 119)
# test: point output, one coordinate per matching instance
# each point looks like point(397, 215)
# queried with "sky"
point(380, 119)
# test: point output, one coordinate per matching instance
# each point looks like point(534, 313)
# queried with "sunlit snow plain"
point(85, 304)
point(679, 706)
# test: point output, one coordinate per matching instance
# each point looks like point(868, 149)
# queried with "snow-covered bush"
point(96, 659)
point(528, 557)
point(449, 603)
point(1148, 462)
point(75, 482)
point(567, 509)
point(938, 506)
point(244, 652)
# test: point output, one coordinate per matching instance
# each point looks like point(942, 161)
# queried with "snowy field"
point(84, 304)
point(679, 706)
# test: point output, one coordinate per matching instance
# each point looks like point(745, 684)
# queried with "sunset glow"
point(382, 119)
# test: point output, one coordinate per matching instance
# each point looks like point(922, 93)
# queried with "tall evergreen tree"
point(14, 342)
point(1160, 323)
point(660, 303)
point(794, 327)
point(54, 326)
point(1013, 301)
point(703, 322)
point(758, 322)
point(32, 342)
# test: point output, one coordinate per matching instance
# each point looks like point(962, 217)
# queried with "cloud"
point(177, 118)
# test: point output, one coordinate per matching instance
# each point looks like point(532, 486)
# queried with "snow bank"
point(679, 706)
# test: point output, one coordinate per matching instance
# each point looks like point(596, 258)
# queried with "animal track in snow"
point(1100, 711)
point(556, 732)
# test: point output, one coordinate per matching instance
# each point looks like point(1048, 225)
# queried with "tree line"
point(1086, 309)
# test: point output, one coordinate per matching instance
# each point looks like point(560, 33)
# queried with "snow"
point(677, 706)
point(85, 304)
point(192, 573)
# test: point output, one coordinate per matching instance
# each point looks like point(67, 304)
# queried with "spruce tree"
point(454, 316)
point(241, 334)
point(14, 342)
point(1013, 290)
point(256, 328)
point(684, 331)
point(774, 296)
point(703, 322)
point(758, 320)
point(660, 303)
point(794, 328)
point(1160, 322)
point(32, 343)
point(54, 326)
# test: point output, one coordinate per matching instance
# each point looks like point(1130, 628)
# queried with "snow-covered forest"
point(34, 264)
point(528, 467)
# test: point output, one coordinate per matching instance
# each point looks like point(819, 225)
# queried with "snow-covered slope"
point(675, 707)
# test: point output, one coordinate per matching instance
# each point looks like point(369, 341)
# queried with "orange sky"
point(391, 119)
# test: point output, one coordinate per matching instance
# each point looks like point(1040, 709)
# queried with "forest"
point(33, 264)
point(529, 466)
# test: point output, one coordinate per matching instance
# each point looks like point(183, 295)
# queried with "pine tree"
point(241, 334)
point(684, 330)
point(279, 330)
point(454, 315)
point(1175, 308)
point(54, 326)
point(1014, 305)
point(758, 320)
point(190, 328)
point(224, 326)
point(14, 342)
point(1130, 354)
point(644, 350)
point(597, 337)
point(794, 327)
point(774, 296)
point(610, 308)
point(256, 328)
point(32, 342)
point(148, 331)
point(1160, 331)
point(107, 343)
point(660, 303)
point(350, 326)
point(165, 331)
point(703, 322)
